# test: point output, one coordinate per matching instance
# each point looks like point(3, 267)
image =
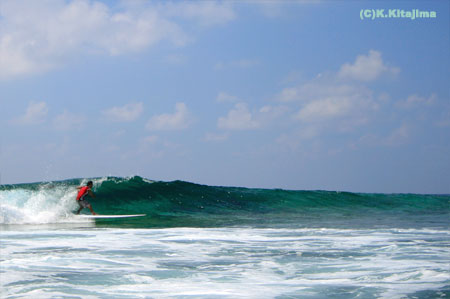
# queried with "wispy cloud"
point(179, 120)
point(398, 136)
point(238, 118)
point(346, 102)
point(214, 137)
point(225, 97)
point(415, 100)
point(36, 113)
point(239, 64)
point(325, 99)
point(443, 119)
point(276, 9)
point(206, 13)
point(366, 68)
point(68, 121)
point(126, 113)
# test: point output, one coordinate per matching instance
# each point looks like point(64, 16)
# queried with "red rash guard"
point(83, 192)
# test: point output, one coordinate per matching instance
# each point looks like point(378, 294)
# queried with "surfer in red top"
point(81, 197)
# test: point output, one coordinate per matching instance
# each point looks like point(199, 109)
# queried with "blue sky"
point(290, 94)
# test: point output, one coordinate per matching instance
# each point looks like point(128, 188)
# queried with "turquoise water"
point(221, 242)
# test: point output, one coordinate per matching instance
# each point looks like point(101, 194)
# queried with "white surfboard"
point(110, 216)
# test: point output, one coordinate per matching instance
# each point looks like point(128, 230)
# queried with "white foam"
point(48, 204)
point(228, 262)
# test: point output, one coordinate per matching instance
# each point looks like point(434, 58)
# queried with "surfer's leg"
point(81, 207)
point(83, 204)
point(92, 210)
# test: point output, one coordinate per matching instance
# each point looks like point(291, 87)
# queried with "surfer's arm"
point(79, 188)
point(91, 193)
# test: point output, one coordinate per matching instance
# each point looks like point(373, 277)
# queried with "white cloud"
point(179, 120)
point(36, 113)
point(36, 36)
point(289, 94)
point(444, 119)
point(323, 100)
point(153, 147)
point(398, 136)
point(366, 68)
point(119, 133)
point(239, 118)
point(216, 137)
point(276, 9)
point(245, 63)
point(126, 113)
point(175, 59)
point(353, 107)
point(206, 13)
point(269, 113)
point(415, 100)
point(270, 9)
point(224, 97)
point(150, 139)
point(240, 64)
point(325, 108)
point(294, 140)
point(68, 121)
point(316, 89)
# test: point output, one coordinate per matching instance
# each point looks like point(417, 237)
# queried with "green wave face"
point(178, 203)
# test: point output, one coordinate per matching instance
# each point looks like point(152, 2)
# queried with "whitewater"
point(221, 242)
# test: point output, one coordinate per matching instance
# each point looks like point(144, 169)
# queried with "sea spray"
point(36, 203)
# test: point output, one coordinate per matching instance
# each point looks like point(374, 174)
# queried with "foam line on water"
point(226, 262)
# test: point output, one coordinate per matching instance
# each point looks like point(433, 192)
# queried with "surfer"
point(81, 197)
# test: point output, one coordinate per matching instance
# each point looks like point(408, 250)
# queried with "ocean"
point(200, 241)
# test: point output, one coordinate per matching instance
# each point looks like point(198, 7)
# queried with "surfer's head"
point(89, 184)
